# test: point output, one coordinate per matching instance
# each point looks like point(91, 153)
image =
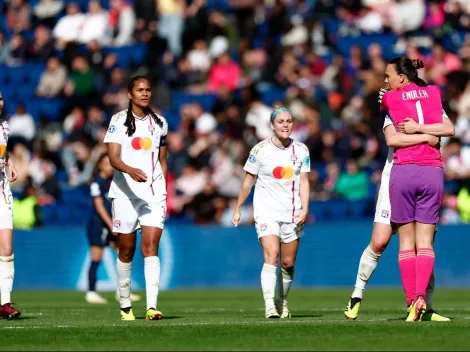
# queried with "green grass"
point(234, 320)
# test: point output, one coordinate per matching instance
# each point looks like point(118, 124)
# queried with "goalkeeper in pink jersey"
point(416, 180)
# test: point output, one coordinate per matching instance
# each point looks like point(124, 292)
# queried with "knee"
point(378, 246)
point(271, 257)
point(6, 251)
point(149, 249)
point(126, 253)
point(288, 264)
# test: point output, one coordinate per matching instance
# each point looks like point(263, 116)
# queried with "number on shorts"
point(419, 109)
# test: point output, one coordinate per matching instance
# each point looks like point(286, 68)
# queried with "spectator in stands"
point(27, 210)
point(115, 93)
point(17, 50)
point(177, 153)
point(94, 123)
point(440, 63)
point(121, 23)
point(4, 49)
point(258, 115)
point(457, 166)
point(18, 16)
point(47, 11)
point(22, 126)
point(68, 27)
point(22, 158)
point(225, 72)
point(41, 47)
point(352, 184)
point(81, 84)
point(94, 24)
point(52, 80)
point(171, 23)
point(78, 161)
point(49, 190)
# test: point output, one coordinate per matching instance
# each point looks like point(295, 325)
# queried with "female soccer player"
point(279, 168)
point(137, 151)
point(416, 179)
point(383, 230)
point(7, 271)
point(100, 226)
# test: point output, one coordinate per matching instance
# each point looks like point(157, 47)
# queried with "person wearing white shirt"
point(137, 151)
point(68, 27)
point(278, 167)
point(22, 124)
point(95, 23)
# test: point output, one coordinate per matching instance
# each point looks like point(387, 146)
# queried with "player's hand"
point(13, 174)
point(382, 91)
point(433, 140)
point(138, 175)
point(300, 218)
point(236, 217)
point(410, 126)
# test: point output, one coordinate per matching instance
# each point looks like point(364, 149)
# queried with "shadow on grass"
point(164, 318)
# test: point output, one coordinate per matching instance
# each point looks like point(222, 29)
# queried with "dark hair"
point(96, 169)
point(130, 120)
point(409, 68)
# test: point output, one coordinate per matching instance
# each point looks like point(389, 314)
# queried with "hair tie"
point(277, 111)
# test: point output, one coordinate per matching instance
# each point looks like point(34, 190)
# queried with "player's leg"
point(381, 235)
point(125, 224)
point(96, 253)
point(152, 218)
point(268, 235)
point(286, 275)
point(7, 274)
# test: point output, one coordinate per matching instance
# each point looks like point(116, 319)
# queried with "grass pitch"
point(234, 320)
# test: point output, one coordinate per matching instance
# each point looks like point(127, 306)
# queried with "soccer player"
point(137, 150)
point(416, 179)
point(278, 166)
point(100, 227)
point(7, 271)
point(383, 228)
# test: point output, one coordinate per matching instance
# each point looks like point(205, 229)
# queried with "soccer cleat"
point(271, 313)
point(133, 297)
point(8, 312)
point(95, 298)
point(153, 314)
point(127, 315)
point(431, 315)
point(417, 309)
point(281, 307)
point(352, 309)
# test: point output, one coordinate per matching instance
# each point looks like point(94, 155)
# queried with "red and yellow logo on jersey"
point(144, 143)
point(285, 172)
point(3, 150)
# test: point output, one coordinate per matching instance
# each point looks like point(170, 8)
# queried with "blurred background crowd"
point(217, 68)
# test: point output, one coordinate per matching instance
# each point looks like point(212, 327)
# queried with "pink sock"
point(424, 266)
point(407, 264)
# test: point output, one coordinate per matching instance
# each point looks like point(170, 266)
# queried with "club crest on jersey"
point(117, 224)
point(151, 128)
point(263, 227)
point(293, 158)
point(385, 214)
point(112, 129)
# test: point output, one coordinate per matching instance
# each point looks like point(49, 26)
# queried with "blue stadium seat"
point(34, 72)
point(123, 55)
point(25, 92)
point(138, 53)
point(51, 108)
point(273, 94)
point(336, 209)
point(33, 106)
point(17, 74)
point(8, 92)
point(3, 75)
point(318, 210)
point(180, 98)
point(357, 209)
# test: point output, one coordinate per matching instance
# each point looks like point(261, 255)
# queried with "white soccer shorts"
point(286, 231)
point(6, 212)
point(383, 209)
point(130, 214)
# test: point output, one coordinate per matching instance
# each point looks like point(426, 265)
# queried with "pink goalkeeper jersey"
point(424, 105)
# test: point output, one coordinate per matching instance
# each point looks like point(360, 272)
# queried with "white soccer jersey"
point(4, 182)
point(141, 151)
point(277, 195)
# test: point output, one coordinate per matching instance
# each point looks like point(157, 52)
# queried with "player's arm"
point(304, 190)
point(13, 174)
point(396, 139)
point(162, 158)
point(114, 154)
point(444, 129)
point(248, 183)
point(98, 204)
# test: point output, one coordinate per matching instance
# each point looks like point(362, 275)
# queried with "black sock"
point(92, 275)
point(126, 310)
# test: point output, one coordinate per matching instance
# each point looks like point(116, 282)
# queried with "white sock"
point(152, 280)
point(284, 281)
point(367, 266)
point(430, 291)
point(7, 274)
point(268, 284)
point(124, 271)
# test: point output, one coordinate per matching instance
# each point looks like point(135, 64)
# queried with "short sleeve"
point(253, 164)
point(115, 131)
point(387, 121)
point(164, 134)
point(306, 163)
point(95, 190)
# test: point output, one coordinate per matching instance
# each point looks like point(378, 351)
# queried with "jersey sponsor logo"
point(117, 224)
point(3, 150)
point(285, 172)
point(307, 161)
point(252, 159)
point(144, 143)
point(112, 129)
point(385, 214)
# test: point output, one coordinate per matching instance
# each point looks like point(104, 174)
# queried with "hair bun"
point(417, 63)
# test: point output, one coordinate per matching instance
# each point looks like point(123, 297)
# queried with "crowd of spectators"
point(232, 60)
